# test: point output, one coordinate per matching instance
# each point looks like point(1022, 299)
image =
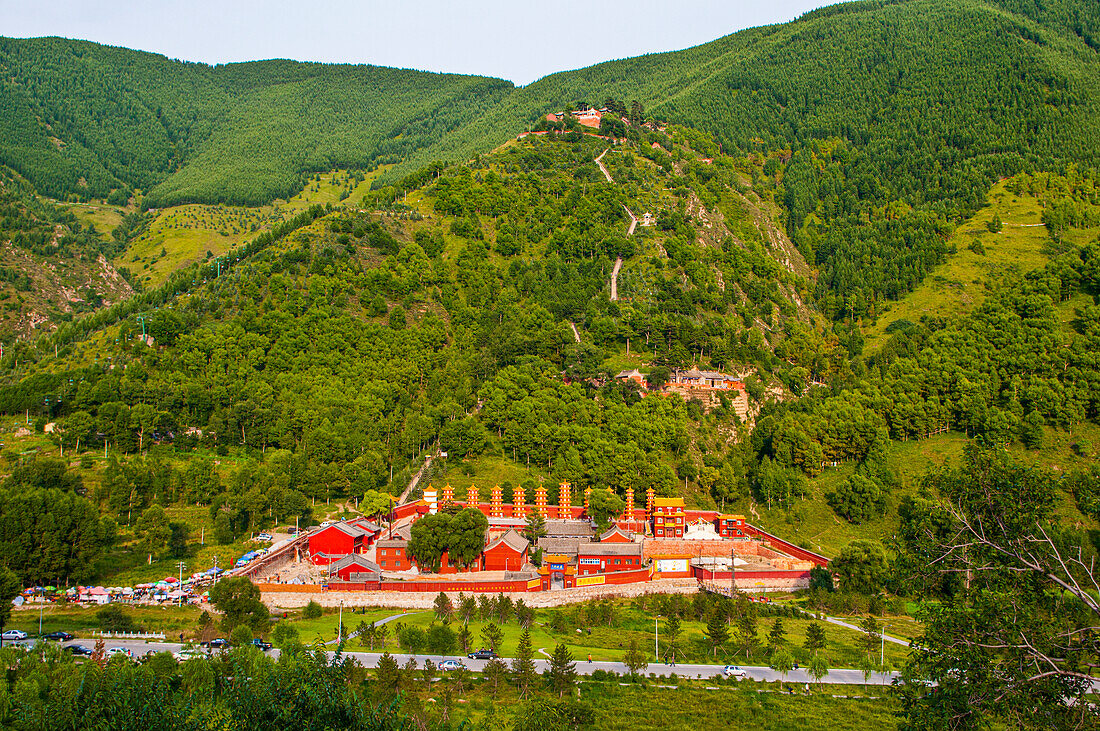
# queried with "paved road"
point(888, 638)
point(370, 660)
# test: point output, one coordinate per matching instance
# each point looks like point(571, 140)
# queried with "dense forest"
point(345, 344)
point(89, 121)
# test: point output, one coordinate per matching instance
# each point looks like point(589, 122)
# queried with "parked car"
point(188, 654)
point(58, 636)
point(451, 665)
point(263, 537)
point(265, 646)
point(14, 634)
point(217, 644)
point(79, 650)
point(482, 654)
point(734, 671)
point(112, 651)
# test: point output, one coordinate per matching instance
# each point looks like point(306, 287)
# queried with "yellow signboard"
point(589, 580)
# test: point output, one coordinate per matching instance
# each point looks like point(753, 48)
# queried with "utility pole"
point(340, 624)
point(656, 642)
point(181, 566)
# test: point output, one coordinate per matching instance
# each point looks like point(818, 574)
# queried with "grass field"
point(609, 642)
point(182, 235)
point(959, 285)
point(659, 704)
point(171, 620)
point(100, 216)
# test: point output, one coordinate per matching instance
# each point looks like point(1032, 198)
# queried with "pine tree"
point(465, 638)
point(563, 671)
point(389, 673)
point(777, 636)
point(495, 672)
point(717, 631)
point(492, 636)
point(746, 633)
point(523, 665)
point(815, 638)
point(672, 637)
point(467, 608)
point(443, 607)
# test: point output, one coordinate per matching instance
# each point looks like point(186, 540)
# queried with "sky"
point(519, 41)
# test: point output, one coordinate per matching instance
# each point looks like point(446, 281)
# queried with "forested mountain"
point(346, 343)
point(892, 118)
point(84, 120)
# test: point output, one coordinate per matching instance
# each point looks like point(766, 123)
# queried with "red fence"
point(789, 548)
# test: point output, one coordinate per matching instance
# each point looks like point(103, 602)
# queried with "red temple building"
point(507, 553)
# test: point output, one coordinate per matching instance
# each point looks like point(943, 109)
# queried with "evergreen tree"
point(717, 632)
point(388, 673)
point(870, 640)
point(777, 636)
point(562, 674)
point(815, 638)
point(443, 607)
point(523, 666)
point(492, 636)
point(672, 638)
point(10, 586)
point(465, 638)
point(495, 673)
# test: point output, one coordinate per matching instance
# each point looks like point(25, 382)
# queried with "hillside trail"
point(615, 279)
point(415, 480)
point(602, 168)
point(576, 335)
point(629, 232)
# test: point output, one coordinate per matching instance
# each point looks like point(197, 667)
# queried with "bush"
point(113, 618)
point(241, 636)
point(312, 611)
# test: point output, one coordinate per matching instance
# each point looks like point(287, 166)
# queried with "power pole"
point(181, 566)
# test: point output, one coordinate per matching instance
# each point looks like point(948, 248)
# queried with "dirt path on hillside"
point(602, 168)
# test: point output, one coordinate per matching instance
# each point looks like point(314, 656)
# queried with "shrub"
point(312, 611)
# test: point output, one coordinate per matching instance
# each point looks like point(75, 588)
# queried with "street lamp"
point(656, 643)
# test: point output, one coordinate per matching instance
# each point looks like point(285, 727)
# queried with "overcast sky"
point(520, 41)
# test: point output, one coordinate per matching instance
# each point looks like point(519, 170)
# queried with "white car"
point(263, 537)
point(734, 671)
point(14, 634)
point(112, 651)
point(451, 665)
point(188, 654)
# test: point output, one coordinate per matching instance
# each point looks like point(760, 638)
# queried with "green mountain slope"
point(894, 118)
point(82, 120)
